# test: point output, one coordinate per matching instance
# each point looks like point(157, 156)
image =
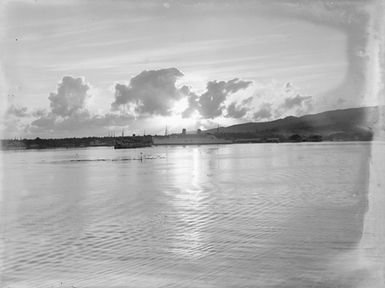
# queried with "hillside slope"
point(357, 121)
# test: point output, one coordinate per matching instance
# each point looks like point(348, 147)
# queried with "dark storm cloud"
point(70, 96)
point(211, 103)
point(264, 112)
point(151, 92)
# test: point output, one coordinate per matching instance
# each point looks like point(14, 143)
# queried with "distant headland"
point(355, 124)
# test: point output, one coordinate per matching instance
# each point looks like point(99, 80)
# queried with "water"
point(248, 215)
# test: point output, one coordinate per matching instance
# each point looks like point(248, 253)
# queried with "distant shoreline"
point(89, 142)
point(354, 124)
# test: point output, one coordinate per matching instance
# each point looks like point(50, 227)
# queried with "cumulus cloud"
point(70, 96)
point(275, 100)
point(80, 123)
point(39, 112)
point(264, 112)
point(69, 116)
point(235, 110)
point(210, 104)
point(294, 105)
point(151, 92)
point(154, 93)
point(14, 120)
point(17, 111)
point(192, 100)
point(296, 101)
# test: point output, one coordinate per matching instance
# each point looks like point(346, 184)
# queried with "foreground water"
point(250, 215)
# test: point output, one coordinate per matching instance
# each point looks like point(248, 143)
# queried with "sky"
point(89, 68)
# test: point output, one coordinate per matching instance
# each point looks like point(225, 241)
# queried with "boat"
point(131, 143)
point(189, 139)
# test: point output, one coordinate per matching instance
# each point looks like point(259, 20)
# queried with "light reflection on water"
point(260, 215)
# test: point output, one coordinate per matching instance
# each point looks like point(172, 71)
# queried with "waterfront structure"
point(189, 139)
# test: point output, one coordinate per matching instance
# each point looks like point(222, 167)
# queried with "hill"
point(346, 124)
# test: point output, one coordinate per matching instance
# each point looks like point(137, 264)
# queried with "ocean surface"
point(247, 215)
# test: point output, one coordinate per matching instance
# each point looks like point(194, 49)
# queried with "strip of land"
point(355, 124)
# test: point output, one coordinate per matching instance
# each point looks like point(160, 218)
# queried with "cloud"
point(39, 112)
point(275, 100)
point(210, 104)
point(264, 112)
point(192, 99)
point(151, 92)
point(79, 124)
point(138, 102)
point(44, 122)
point(17, 111)
point(294, 105)
point(69, 116)
point(70, 96)
point(235, 110)
point(14, 120)
point(296, 101)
